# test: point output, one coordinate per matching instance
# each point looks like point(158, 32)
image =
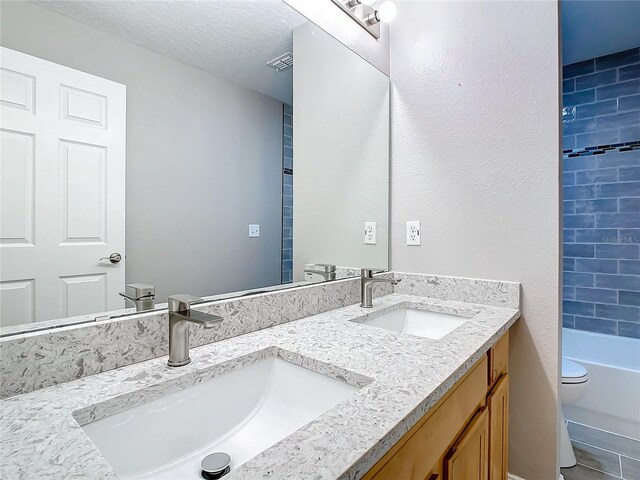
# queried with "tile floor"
point(602, 455)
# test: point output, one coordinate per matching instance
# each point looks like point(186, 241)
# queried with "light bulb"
point(387, 11)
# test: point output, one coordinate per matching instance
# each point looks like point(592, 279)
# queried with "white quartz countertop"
point(41, 438)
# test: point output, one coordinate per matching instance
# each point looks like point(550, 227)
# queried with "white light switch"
point(254, 231)
point(413, 233)
point(370, 233)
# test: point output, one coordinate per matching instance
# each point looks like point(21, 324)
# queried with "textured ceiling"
point(233, 39)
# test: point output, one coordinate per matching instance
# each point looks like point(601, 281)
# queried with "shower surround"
point(601, 188)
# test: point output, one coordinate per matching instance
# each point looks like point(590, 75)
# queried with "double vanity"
point(414, 387)
point(238, 152)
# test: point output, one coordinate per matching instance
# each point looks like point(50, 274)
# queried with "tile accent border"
point(600, 149)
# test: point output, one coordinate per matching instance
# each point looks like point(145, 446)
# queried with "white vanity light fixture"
point(364, 13)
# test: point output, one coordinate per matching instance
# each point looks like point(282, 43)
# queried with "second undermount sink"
point(421, 323)
point(242, 413)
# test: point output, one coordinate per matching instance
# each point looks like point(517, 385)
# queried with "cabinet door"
point(498, 402)
point(469, 456)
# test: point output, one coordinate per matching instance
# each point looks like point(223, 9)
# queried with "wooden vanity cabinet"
point(464, 436)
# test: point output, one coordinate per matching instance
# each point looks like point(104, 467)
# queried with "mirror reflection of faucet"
point(325, 270)
point(141, 295)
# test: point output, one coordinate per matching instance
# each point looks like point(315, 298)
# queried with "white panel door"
point(62, 187)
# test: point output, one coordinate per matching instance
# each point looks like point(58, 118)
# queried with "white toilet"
point(575, 380)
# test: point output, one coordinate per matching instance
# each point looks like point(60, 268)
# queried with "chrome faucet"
point(180, 315)
point(366, 286)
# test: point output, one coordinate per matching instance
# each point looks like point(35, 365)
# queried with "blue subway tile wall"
point(601, 190)
point(287, 194)
point(601, 100)
point(602, 244)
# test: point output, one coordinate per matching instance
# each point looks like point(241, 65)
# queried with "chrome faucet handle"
point(142, 295)
point(368, 272)
point(182, 302)
point(137, 291)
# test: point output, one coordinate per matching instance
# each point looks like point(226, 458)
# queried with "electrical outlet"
point(370, 233)
point(413, 233)
point(254, 231)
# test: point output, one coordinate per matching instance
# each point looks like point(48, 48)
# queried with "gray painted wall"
point(204, 159)
point(341, 146)
point(476, 158)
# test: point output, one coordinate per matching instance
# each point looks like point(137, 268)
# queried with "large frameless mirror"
point(216, 148)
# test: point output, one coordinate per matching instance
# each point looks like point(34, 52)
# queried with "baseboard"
point(511, 476)
point(514, 477)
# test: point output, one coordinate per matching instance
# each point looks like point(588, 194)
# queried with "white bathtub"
point(612, 400)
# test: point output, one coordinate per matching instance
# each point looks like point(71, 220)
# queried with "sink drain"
point(215, 466)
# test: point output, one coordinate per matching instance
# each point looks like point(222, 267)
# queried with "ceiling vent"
point(282, 62)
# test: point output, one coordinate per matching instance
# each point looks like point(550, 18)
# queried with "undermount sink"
point(242, 412)
point(421, 323)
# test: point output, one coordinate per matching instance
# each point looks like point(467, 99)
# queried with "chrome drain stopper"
point(215, 466)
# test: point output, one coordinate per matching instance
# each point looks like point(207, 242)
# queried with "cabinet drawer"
point(418, 452)
point(499, 359)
